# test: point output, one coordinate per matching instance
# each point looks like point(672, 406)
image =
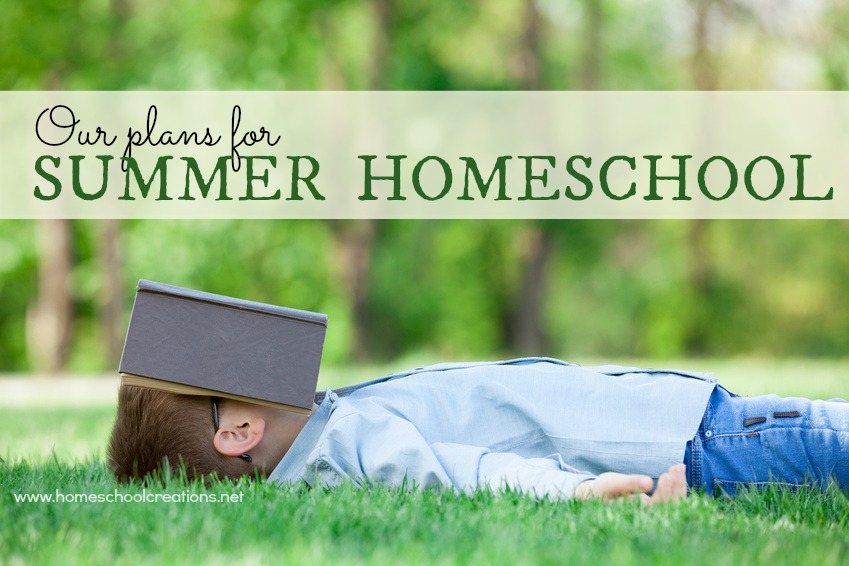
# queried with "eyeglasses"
point(245, 457)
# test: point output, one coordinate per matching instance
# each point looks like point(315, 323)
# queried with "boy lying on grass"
point(539, 426)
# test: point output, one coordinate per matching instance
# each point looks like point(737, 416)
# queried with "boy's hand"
point(608, 486)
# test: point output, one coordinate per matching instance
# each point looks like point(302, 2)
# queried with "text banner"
point(424, 155)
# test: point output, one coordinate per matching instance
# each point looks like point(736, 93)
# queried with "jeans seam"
point(696, 463)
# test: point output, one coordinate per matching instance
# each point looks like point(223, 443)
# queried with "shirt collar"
point(293, 465)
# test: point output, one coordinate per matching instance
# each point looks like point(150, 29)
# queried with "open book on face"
point(195, 343)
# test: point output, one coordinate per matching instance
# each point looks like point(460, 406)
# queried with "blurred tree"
point(353, 242)
point(110, 296)
point(381, 44)
point(50, 318)
point(592, 53)
point(525, 331)
point(354, 239)
point(529, 71)
point(526, 328)
point(700, 277)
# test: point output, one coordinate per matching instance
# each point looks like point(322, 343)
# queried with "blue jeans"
point(766, 440)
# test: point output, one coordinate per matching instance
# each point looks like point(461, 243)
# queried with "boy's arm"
point(390, 451)
point(550, 477)
point(545, 477)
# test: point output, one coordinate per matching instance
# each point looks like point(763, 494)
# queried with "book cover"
point(191, 342)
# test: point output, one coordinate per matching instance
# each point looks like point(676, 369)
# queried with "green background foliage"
point(655, 289)
point(448, 288)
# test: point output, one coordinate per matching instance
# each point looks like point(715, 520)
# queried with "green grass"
point(293, 526)
point(61, 448)
point(42, 433)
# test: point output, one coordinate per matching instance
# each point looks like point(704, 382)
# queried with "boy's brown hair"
point(155, 427)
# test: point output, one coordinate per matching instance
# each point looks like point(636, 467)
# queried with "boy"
point(537, 425)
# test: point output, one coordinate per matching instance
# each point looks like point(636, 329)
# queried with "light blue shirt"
point(536, 425)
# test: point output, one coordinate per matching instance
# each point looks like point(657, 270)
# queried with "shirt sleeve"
point(389, 451)
point(472, 467)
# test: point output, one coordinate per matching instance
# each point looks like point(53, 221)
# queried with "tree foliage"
point(451, 288)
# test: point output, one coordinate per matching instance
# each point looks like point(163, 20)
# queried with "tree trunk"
point(530, 60)
point(50, 319)
point(108, 236)
point(354, 241)
point(591, 64)
point(110, 298)
point(527, 328)
point(704, 66)
point(382, 14)
point(700, 271)
point(700, 279)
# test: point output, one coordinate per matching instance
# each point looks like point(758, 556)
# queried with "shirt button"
point(708, 433)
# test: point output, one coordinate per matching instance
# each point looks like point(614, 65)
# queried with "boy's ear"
point(239, 432)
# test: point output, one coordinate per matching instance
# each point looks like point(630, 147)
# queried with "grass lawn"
point(59, 449)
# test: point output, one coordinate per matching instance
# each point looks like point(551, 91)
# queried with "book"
point(195, 343)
